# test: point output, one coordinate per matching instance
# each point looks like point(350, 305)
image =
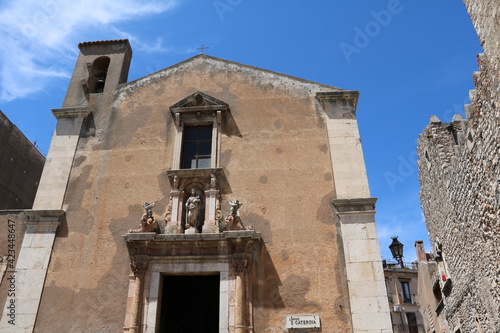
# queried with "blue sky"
point(409, 59)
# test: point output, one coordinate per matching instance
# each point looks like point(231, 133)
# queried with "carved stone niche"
point(205, 186)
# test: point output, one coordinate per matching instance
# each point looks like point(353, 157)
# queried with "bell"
point(99, 86)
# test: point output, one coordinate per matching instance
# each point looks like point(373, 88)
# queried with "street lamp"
point(396, 248)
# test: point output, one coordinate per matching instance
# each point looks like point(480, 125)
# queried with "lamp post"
point(396, 248)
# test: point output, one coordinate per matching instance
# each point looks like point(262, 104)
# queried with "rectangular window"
point(196, 147)
point(405, 288)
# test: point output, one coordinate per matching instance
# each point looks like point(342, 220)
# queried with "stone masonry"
point(288, 149)
point(21, 165)
point(460, 190)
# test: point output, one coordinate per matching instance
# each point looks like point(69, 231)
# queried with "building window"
point(406, 294)
point(198, 119)
point(412, 322)
point(197, 147)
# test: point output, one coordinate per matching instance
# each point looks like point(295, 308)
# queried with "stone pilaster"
point(138, 269)
point(240, 322)
point(365, 275)
point(211, 225)
point(174, 213)
point(31, 268)
point(348, 163)
point(56, 172)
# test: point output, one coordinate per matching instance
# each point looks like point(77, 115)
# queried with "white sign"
point(302, 322)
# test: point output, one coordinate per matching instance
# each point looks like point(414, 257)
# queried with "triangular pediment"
point(207, 64)
point(198, 107)
point(198, 99)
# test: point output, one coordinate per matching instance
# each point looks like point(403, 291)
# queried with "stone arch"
point(97, 74)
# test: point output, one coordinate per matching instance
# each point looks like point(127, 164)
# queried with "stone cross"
point(202, 48)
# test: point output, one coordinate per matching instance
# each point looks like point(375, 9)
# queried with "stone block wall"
point(460, 189)
point(21, 165)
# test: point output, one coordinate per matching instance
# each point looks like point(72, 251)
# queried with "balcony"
point(401, 299)
point(392, 264)
point(404, 328)
point(407, 299)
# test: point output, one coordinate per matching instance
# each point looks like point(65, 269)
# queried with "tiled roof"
point(102, 42)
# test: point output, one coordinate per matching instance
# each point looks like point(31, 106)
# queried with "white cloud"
point(405, 220)
point(38, 38)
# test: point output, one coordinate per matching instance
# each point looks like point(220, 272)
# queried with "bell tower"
point(100, 68)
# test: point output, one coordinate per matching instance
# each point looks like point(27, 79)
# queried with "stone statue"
point(193, 210)
point(148, 222)
point(233, 220)
point(235, 205)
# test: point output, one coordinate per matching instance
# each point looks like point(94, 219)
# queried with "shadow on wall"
point(273, 295)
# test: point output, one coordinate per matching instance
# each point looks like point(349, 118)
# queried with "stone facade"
point(278, 211)
point(429, 291)
point(404, 298)
point(460, 190)
point(21, 166)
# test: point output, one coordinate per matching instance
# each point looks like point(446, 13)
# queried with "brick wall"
point(459, 165)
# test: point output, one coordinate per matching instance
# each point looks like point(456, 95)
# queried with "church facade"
point(210, 196)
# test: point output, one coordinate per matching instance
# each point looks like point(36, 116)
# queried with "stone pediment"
point(197, 101)
point(198, 106)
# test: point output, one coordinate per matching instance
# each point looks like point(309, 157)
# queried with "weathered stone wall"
point(460, 188)
point(21, 166)
point(485, 17)
point(276, 157)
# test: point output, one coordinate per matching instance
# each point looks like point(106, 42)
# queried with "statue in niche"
point(193, 204)
point(233, 220)
point(148, 221)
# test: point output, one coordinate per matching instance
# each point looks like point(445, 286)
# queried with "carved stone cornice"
point(354, 204)
point(339, 104)
point(352, 95)
point(198, 108)
point(72, 112)
point(180, 177)
point(227, 246)
point(44, 218)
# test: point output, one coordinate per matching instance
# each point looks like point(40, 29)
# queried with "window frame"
point(405, 292)
point(198, 150)
point(198, 109)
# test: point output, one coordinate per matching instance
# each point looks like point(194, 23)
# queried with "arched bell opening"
point(98, 73)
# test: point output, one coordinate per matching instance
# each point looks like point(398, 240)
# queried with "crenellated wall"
point(460, 189)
